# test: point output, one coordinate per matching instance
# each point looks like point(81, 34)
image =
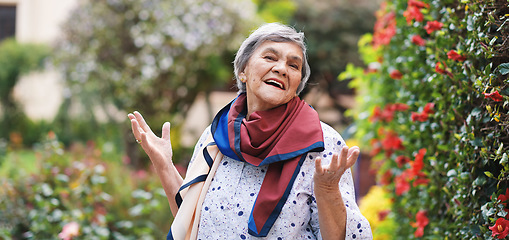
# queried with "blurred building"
point(36, 21)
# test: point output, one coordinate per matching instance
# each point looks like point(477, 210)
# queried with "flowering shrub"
point(375, 206)
point(444, 158)
point(79, 195)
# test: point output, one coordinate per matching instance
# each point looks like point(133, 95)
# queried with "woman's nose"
point(280, 68)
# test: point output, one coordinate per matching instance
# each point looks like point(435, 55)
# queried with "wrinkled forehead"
point(288, 48)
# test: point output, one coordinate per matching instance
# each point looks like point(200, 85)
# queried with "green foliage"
point(432, 116)
point(17, 59)
point(153, 56)
point(332, 29)
point(107, 200)
point(276, 10)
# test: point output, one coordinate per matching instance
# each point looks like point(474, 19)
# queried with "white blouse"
point(233, 190)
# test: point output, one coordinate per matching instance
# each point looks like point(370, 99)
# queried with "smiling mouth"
point(275, 84)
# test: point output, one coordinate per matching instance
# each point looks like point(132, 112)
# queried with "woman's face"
point(272, 75)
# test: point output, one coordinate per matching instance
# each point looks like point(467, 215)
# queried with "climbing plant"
point(433, 110)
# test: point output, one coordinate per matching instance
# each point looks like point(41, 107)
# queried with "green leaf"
point(504, 68)
point(499, 151)
point(504, 159)
point(489, 174)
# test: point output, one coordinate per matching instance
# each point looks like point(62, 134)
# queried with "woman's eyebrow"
point(273, 50)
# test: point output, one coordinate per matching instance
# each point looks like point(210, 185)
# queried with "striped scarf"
point(280, 138)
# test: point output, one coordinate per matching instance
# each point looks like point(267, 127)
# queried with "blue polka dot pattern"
point(225, 213)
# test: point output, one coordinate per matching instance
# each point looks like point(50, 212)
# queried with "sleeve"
point(357, 226)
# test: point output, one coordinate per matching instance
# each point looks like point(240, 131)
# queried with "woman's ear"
point(242, 77)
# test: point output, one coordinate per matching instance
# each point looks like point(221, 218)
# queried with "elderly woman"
point(266, 167)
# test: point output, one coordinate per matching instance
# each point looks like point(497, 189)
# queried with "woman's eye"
point(294, 66)
point(270, 58)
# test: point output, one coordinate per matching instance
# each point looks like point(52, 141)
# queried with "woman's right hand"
point(157, 148)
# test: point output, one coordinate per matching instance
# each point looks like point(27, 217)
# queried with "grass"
point(24, 160)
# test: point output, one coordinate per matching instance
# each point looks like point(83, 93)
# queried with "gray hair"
point(275, 32)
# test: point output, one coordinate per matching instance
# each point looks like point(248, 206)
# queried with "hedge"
point(433, 110)
point(80, 194)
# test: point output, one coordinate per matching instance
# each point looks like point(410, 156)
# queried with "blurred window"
point(7, 21)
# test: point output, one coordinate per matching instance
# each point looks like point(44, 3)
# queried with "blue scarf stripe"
point(219, 130)
point(178, 197)
point(206, 154)
point(277, 210)
point(315, 147)
point(169, 236)
point(237, 125)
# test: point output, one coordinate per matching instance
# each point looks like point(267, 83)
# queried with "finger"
point(318, 165)
point(343, 157)
point(166, 131)
point(334, 163)
point(135, 128)
point(142, 122)
point(353, 154)
point(143, 139)
point(353, 150)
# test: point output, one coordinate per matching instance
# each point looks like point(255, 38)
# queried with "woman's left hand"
point(330, 204)
point(327, 177)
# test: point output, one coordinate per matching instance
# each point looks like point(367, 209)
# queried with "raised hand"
point(160, 153)
point(328, 176)
point(157, 148)
point(330, 204)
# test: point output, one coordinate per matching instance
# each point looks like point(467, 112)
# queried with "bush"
point(434, 112)
point(104, 200)
point(375, 206)
point(17, 59)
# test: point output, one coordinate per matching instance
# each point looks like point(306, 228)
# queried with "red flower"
point(385, 28)
point(388, 113)
point(504, 198)
point(392, 142)
point(402, 184)
point(411, 13)
point(428, 108)
point(433, 26)
point(418, 4)
point(402, 160)
point(421, 180)
point(383, 214)
point(440, 69)
point(400, 107)
point(417, 40)
point(495, 96)
point(396, 74)
point(501, 228)
point(456, 56)
point(421, 117)
point(386, 178)
point(421, 221)
point(418, 163)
